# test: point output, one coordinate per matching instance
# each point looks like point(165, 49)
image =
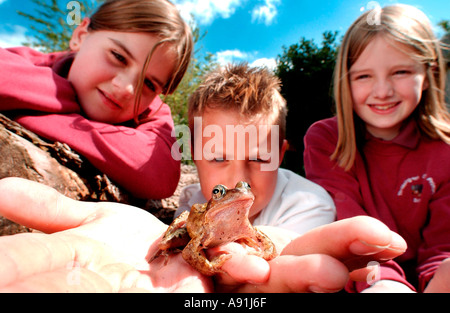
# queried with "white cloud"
point(205, 11)
point(12, 36)
point(236, 56)
point(270, 64)
point(266, 13)
point(229, 56)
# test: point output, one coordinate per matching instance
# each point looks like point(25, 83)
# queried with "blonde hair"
point(158, 17)
point(253, 92)
point(411, 28)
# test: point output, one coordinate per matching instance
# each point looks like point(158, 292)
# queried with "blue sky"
point(247, 30)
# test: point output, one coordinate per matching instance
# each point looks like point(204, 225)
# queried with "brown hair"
point(252, 91)
point(158, 17)
point(411, 28)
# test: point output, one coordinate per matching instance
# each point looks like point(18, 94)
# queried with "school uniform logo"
point(416, 186)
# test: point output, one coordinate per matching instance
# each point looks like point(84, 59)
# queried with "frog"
point(222, 220)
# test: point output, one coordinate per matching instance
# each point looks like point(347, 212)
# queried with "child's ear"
point(79, 34)
point(426, 84)
point(284, 147)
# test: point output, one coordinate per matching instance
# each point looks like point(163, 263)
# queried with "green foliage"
point(306, 71)
point(199, 66)
point(445, 25)
point(178, 101)
point(50, 30)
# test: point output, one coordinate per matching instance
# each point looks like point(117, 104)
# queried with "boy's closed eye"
point(402, 72)
point(261, 160)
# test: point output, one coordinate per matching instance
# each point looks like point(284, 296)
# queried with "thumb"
point(40, 207)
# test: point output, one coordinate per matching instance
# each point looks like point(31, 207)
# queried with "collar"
point(408, 137)
point(62, 63)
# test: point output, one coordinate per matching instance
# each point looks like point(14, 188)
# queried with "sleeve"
point(187, 196)
point(436, 235)
point(139, 159)
point(24, 85)
point(343, 186)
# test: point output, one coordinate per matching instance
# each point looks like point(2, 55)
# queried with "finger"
point(309, 273)
point(241, 267)
point(40, 207)
point(346, 239)
point(25, 255)
point(440, 283)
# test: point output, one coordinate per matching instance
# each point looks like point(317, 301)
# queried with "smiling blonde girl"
point(386, 152)
point(102, 97)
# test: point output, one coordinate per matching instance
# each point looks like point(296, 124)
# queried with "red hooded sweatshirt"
point(139, 158)
point(405, 183)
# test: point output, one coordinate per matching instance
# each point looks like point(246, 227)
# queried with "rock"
point(26, 155)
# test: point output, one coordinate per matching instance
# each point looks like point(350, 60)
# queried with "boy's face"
point(226, 151)
point(107, 68)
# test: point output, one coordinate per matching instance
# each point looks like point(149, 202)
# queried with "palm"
point(91, 247)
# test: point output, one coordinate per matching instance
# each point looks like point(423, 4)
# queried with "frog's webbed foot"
point(196, 257)
point(165, 253)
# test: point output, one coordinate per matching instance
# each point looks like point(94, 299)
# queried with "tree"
point(306, 72)
point(54, 21)
point(445, 25)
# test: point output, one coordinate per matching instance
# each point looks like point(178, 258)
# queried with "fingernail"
point(363, 248)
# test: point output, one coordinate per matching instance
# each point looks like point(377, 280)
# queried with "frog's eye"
point(243, 185)
point(218, 192)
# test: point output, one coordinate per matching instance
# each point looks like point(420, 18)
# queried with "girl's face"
point(386, 85)
point(107, 68)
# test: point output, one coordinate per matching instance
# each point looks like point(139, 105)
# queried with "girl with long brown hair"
point(102, 97)
point(386, 153)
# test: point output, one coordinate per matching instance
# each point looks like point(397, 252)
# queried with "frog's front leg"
point(195, 255)
point(261, 245)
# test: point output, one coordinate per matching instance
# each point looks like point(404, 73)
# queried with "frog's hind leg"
point(196, 257)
